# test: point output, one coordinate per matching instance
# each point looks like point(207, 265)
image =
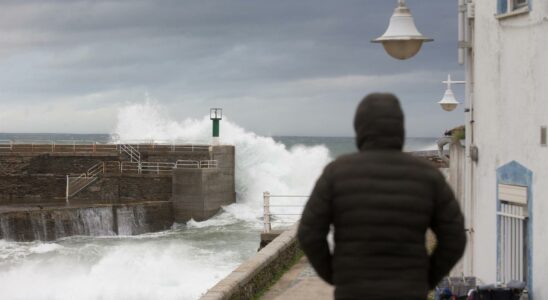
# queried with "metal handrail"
point(129, 167)
point(267, 214)
point(134, 154)
point(64, 146)
point(96, 170)
point(194, 164)
point(82, 181)
point(208, 164)
point(77, 184)
point(156, 167)
point(187, 164)
point(6, 144)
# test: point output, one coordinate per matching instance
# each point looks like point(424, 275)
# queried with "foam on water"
point(145, 270)
point(178, 264)
point(262, 164)
point(44, 248)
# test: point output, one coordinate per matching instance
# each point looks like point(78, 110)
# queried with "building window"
point(513, 238)
point(519, 3)
point(505, 7)
point(514, 224)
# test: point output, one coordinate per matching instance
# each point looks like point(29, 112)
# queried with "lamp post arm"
point(456, 82)
point(449, 81)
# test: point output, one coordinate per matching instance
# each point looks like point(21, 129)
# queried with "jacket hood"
point(379, 123)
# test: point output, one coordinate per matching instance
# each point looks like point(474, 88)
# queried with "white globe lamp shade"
point(402, 40)
point(448, 103)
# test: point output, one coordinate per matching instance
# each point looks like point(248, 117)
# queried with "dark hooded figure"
point(380, 202)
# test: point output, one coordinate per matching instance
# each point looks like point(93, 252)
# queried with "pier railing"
point(68, 146)
point(283, 213)
point(159, 168)
point(75, 184)
point(195, 164)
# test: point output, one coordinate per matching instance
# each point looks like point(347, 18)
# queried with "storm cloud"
point(275, 67)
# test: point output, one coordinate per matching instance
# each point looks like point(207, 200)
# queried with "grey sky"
point(280, 67)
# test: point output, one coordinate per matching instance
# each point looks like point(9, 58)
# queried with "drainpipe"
point(469, 207)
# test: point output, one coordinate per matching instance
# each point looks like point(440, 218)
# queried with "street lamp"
point(216, 114)
point(448, 102)
point(402, 40)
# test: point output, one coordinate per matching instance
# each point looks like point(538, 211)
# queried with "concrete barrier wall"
point(17, 164)
point(200, 193)
point(257, 273)
point(28, 178)
point(98, 220)
point(125, 189)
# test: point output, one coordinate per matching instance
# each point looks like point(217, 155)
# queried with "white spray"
point(178, 264)
point(261, 163)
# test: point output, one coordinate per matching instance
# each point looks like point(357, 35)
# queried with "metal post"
point(266, 216)
point(67, 191)
point(469, 205)
point(216, 128)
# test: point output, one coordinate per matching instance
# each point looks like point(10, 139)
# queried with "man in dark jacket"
point(380, 202)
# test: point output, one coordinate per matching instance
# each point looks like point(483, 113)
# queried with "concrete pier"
point(199, 193)
point(125, 197)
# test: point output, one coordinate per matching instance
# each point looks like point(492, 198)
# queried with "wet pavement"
point(300, 283)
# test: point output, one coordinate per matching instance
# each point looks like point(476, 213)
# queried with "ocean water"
point(181, 263)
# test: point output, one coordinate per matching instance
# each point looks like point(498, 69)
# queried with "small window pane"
point(519, 3)
point(502, 6)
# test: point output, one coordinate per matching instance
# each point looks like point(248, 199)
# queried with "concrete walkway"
point(300, 283)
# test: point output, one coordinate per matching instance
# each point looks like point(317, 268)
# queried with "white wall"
point(510, 105)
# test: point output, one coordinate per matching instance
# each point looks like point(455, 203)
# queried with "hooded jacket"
point(380, 202)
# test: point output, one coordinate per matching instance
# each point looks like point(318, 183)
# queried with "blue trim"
point(516, 174)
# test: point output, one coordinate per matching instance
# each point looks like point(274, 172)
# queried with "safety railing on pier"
point(195, 164)
point(75, 184)
point(158, 168)
point(147, 167)
point(132, 152)
point(282, 212)
point(68, 146)
point(187, 164)
point(6, 145)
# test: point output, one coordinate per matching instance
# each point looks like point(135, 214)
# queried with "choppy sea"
point(183, 262)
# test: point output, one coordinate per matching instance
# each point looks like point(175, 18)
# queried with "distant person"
point(380, 202)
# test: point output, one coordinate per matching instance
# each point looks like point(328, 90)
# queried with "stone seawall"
point(120, 197)
point(17, 164)
point(200, 193)
point(35, 178)
point(50, 223)
point(126, 189)
point(257, 273)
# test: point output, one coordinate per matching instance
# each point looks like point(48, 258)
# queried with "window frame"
point(509, 8)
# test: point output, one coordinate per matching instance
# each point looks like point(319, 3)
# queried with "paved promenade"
point(300, 283)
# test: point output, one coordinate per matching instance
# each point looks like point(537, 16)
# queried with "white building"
point(508, 98)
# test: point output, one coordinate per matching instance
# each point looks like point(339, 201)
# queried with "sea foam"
point(262, 164)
